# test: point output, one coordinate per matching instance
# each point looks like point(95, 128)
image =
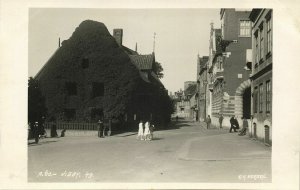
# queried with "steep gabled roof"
point(191, 90)
point(156, 78)
point(129, 51)
point(143, 62)
point(254, 14)
point(44, 68)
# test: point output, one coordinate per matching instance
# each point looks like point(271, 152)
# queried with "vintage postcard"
point(149, 95)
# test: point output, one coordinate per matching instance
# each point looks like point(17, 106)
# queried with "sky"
point(181, 34)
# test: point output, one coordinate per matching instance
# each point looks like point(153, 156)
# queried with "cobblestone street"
point(186, 152)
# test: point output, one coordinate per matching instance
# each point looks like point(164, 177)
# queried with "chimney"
point(118, 35)
point(58, 42)
point(136, 47)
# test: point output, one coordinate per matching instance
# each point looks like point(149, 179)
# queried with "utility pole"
point(154, 42)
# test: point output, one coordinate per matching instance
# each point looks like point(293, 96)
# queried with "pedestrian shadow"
point(126, 135)
point(182, 125)
point(39, 143)
point(176, 125)
point(157, 138)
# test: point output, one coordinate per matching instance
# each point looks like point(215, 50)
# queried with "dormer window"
point(71, 88)
point(85, 63)
point(98, 89)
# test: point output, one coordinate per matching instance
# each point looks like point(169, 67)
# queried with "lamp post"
point(205, 88)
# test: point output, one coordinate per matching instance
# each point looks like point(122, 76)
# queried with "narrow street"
point(186, 152)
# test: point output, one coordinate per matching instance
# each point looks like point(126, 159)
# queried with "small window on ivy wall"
point(85, 63)
point(96, 114)
point(71, 88)
point(69, 114)
point(97, 89)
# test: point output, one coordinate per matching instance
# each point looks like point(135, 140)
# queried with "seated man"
point(243, 131)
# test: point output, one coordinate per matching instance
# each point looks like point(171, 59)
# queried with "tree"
point(36, 102)
point(158, 70)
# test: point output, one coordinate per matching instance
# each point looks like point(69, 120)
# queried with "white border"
point(13, 92)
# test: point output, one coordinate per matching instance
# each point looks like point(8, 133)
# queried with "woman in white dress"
point(147, 131)
point(141, 131)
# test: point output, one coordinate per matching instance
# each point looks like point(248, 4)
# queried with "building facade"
point(92, 76)
point(229, 85)
point(187, 84)
point(186, 102)
point(261, 88)
point(201, 86)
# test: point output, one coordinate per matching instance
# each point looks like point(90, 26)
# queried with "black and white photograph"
point(152, 96)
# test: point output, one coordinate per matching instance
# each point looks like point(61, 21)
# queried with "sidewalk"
point(222, 147)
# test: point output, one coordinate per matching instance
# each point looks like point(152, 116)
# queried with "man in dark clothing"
point(100, 128)
point(208, 121)
point(233, 124)
point(36, 132)
point(236, 123)
point(221, 120)
point(53, 132)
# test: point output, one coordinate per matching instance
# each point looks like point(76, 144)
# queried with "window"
point(220, 63)
point(255, 98)
point(70, 114)
point(245, 28)
point(269, 36)
point(256, 47)
point(71, 88)
point(97, 89)
point(85, 63)
point(260, 96)
point(261, 42)
point(96, 114)
point(268, 96)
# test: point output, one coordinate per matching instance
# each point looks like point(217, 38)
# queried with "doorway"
point(247, 103)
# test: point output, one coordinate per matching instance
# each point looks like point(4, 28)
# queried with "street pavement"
point(185, 152)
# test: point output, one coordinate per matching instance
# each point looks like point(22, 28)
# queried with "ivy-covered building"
point(92, 75)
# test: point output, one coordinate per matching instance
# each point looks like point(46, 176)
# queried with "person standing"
point(151, 131)
point(208, 121)
point(221, 120)
point(105, 126)
point(236, 123)
point(109, 127)
point(147, 131)
point(36, 132)
point(140, 131)
point(232, 125)
point(53, 132)
point(100, 128)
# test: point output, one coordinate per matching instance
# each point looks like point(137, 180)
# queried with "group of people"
point(104, 128)
point(145, 131)
point(234, 124)
point(36, 131)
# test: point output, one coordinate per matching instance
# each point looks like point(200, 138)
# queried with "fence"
point(72, 126)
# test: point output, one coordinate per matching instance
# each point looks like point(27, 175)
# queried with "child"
point(151, 131)
point(141, 131)
point(147, 131)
